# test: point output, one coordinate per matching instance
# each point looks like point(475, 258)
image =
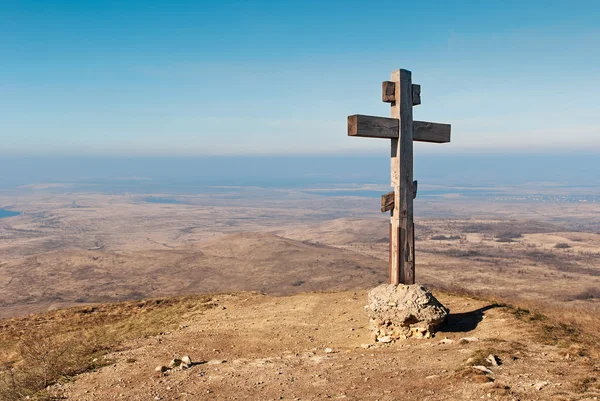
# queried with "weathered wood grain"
point(388, 89)
point(384, 127)
point(416, 94)
point(402, 95)
point(372, 127)
point(414, 277)
point(405, 151)
point(431, 132)
point(394, 164)
point(387, 202)
point(391, 258)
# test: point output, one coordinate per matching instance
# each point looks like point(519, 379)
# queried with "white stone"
point(493, 360)
point(468, 339)
point(483, 369)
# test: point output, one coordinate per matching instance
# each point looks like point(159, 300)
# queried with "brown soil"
point(256, 347)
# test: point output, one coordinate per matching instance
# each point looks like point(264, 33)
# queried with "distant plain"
point(517, 263)
point(74, 246)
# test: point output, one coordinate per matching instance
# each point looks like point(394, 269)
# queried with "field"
point(521, 277)
point(72, 248)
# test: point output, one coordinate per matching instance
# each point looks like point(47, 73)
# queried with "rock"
point(541, 385)
point(328, 350)
point(385, 339)
point(187, 361)
point(483, 369)
point(175, 363)
point(420, 332)
point(446, 341)
point(493, 360)
point(161, 369)
point(404, 311)
point(465, 340)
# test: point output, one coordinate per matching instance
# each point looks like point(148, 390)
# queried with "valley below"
point(83, 248)
point(256, 288)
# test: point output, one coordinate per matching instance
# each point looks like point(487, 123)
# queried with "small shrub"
point(562, 245)
point(589, 383)
point(509, 235)
point(445, 238)
point(68, 342)
point(460, 253)
point(589, 293)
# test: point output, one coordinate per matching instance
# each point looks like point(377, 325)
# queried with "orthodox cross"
point(402, 131)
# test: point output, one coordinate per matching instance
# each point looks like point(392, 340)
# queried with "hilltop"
point(313, 346)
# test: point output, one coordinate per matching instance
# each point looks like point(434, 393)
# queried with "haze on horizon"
point(192, 78)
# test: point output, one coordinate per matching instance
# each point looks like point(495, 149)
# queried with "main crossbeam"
point(384, 127)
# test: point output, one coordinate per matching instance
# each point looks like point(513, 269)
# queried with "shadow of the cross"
point(466, 321)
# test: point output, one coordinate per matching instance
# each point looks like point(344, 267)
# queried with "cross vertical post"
point(402, 266)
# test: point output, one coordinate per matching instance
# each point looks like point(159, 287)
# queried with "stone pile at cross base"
point(403, 311)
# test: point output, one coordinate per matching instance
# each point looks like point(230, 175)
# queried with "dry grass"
point(45, 349)
point(505, 228)
point(554, 323)
point(473, 375)
point(480, 356)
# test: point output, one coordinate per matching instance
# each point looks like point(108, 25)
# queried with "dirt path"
point(255, 347)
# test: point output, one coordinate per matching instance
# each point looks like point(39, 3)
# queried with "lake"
point(8, 213)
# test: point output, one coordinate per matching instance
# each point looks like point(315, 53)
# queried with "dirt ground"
point(257, 347)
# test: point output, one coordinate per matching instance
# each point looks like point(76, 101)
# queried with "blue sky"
point(280, 77)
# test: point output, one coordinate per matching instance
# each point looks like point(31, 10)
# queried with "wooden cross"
point(402, 131)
